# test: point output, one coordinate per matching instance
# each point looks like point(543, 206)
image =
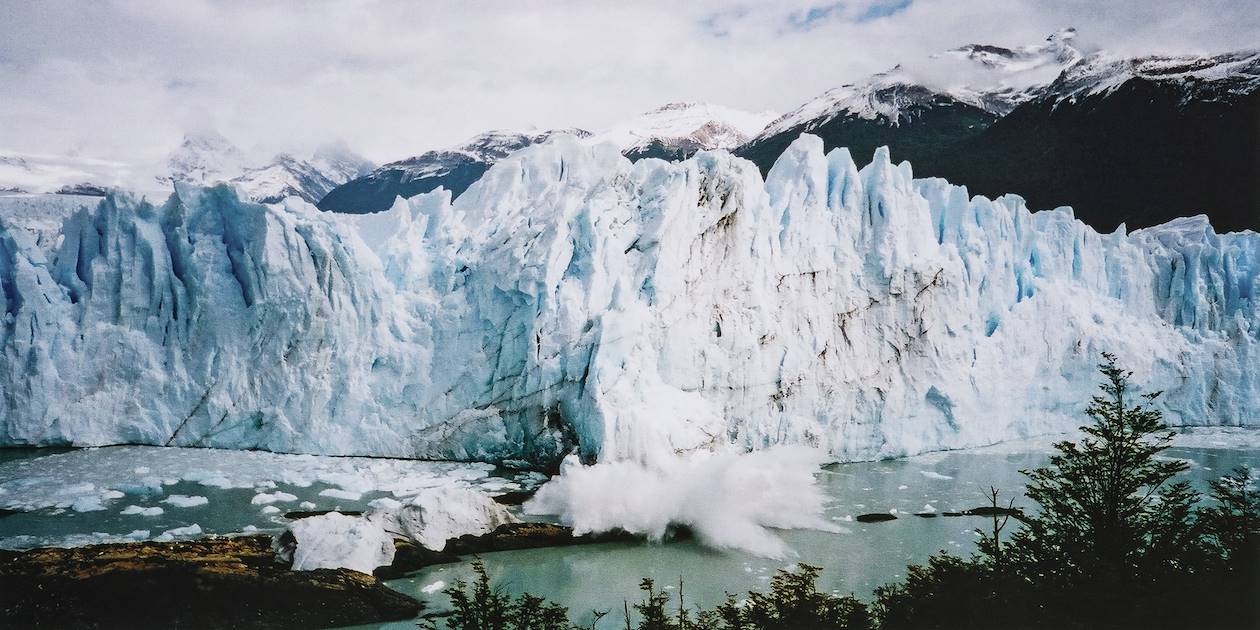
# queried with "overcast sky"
point(125, 80)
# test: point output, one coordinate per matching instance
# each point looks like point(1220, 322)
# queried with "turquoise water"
point(856, 560)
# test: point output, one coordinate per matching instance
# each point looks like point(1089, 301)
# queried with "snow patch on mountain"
point(309, 180)
point(992, 78)
point(687, 126)
point(204, 158)
point(207, 159)
point(1216, 78)
point(486, 148)
point(573, 299)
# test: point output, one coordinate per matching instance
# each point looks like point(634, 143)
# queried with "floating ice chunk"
point(270, 509)
point(179, 532)
point(88, 504)
point(929, 508)
point(903, 487)
point(218, 481)
point(338, 493)
point(335, 540)
point(433, 588)
point(932, 474)
point(274, 497)
point(136, 510)
point(185, 501)
point(249, 529)
point(307, 505)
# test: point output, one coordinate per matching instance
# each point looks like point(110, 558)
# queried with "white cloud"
point(124, 80)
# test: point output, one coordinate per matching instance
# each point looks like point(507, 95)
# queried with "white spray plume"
point(729, 500)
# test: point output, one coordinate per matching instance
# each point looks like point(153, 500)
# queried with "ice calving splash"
point(729, 500)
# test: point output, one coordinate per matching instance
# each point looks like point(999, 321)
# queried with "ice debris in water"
point(53, 481)
point(264, 498)
point(185, 501)
point(189, 531)
point(136, 510)
point(337, 493)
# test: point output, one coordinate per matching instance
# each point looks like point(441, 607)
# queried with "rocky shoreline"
point(210, 583)
point(228, 582)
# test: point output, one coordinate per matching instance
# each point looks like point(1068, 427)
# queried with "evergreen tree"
point(1110, 510)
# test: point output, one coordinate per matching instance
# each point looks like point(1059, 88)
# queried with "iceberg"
point(334, 540)
point(571, 300)
point(366, 542)
point(437, 515)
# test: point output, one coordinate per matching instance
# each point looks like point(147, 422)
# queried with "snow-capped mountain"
point(209, 158)
point(1227, 77)
point(1135, 141)
point(310, 180)
point(1107, 135)
point(571, 298)
point(204, 158)
point(677, 130)
point(674, 131)
point(989, 78)
point(454, 169)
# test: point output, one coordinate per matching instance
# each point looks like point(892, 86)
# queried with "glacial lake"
point(79, 496)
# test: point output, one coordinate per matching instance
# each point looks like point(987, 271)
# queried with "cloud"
point(125, 79)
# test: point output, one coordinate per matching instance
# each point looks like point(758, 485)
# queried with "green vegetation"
point(1118, 542)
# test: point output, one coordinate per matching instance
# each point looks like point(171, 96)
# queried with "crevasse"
point(572, 299)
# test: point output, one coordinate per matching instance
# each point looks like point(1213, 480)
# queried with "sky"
point(125, 80)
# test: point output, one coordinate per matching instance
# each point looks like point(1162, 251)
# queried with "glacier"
point(573, 300)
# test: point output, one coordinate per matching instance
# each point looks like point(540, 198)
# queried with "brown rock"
point(209, 583)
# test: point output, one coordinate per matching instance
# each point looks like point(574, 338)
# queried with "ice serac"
point(573, 299)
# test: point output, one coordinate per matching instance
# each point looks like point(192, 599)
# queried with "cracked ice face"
point(572, 299)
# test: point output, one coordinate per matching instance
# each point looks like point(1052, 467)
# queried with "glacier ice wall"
point(572, 299)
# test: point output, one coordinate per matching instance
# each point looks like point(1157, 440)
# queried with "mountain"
point(309, 180)
point(918, 110)
point(572, 299)
point(677, 130)
point(209, 158)
point(674, 131)
point(204, 158)
point(1109, 136)
point(1133, 141)
point(453, 169)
